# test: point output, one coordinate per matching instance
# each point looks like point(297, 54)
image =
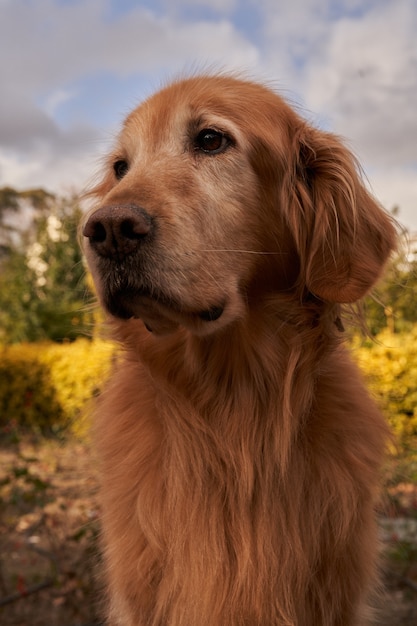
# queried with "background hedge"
point(47, 386)
point(389, 363)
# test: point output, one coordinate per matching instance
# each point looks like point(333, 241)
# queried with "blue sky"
point(71, 69)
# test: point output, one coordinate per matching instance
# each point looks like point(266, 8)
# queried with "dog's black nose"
point(117, 231)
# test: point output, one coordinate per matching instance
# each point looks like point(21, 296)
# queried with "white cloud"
point(15, 172)
point(55, 46)
point(56, 98)
point(397, 187)
point(22, 123)
point(64, 42)
point(352, 63)
point(221, 6)
point(353, 66)
point(364, 79)
point(62, 169)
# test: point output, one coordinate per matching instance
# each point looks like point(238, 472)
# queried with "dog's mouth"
point(150, 306)
point(126, 303)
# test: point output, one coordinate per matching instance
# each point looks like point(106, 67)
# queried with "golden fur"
point(239, 449)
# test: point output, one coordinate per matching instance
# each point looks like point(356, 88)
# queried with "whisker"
point(241, 251)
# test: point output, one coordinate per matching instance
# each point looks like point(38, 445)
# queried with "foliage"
point(392, 303)
point(42, 280)
point(46, 386)
point(16, 211)
point(389, 363)
point(43, 283)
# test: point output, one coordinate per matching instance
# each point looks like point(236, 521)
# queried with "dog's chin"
point(163, 316)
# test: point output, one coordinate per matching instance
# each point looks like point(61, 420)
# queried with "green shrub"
point(46, 385)
point(389, 363)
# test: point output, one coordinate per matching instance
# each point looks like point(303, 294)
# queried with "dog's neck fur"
point(251, 368)
point(226, 489)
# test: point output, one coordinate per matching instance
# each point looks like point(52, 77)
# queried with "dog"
point(239, 450)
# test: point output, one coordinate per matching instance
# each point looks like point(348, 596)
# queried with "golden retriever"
point(239, 449)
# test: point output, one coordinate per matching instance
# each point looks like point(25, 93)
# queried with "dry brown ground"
point(49, 560)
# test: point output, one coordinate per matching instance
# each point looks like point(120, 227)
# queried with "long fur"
point(239, 452)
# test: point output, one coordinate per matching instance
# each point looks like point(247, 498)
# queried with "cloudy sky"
point(71, 69)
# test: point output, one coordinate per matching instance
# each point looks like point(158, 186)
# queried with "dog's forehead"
point(205, 99)
point(179, 103)
point(250, 112)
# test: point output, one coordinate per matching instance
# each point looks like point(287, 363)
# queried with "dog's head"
point(216, 194)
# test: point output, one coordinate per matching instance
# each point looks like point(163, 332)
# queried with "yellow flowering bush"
point(389, 363)
point(48, 385)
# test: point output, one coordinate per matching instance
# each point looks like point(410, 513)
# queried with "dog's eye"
point(120, 168)
point(211, 141)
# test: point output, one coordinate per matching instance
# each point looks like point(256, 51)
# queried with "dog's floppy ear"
point(342, 235)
